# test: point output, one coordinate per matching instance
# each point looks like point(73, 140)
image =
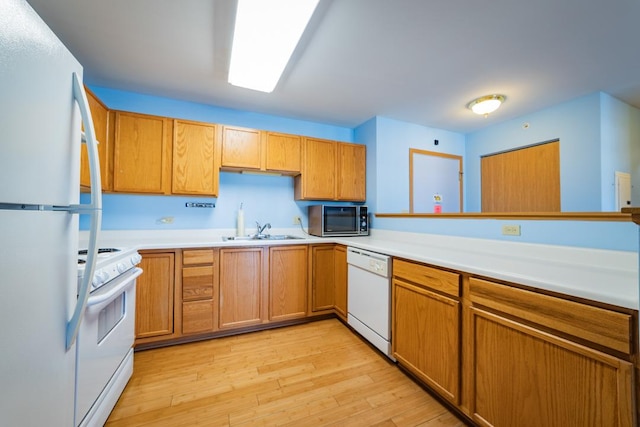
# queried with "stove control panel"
point(110, 271)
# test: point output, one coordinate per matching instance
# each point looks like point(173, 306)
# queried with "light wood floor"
point(316, 374)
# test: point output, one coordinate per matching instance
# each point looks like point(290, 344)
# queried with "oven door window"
point(340, 219)
point(110, 316)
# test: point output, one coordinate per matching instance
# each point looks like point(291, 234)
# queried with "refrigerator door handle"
point(94, 209)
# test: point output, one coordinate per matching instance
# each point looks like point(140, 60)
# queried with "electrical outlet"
point(165, 220)
point(297, 220)
point(511, 230)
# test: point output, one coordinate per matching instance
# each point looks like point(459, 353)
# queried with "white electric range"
point(106, 335)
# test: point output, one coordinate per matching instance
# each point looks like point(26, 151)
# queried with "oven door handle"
point(99, 301)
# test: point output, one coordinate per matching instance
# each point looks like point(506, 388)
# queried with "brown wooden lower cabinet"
point(522, 376)
point(199, 282)
point(426, 328)
point(155, 296)
point(287, 282)
point(328, 279)
point(520, 357)
point(340, 281)
point(241, 287)
point(541, 360)
point(322, 277)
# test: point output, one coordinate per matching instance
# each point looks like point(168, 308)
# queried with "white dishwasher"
point(369, 297)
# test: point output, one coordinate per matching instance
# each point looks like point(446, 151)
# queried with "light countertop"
point(601, 275)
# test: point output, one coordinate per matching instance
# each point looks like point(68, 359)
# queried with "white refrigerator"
point(42, 108)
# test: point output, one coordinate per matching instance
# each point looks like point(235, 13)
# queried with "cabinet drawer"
point(439, 280)
point(197, 316)
point(197, 283)
point(197, 256)
point(598, 325)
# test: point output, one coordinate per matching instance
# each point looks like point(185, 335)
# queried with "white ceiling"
point(419, 61)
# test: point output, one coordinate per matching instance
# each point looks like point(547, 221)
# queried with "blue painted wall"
point(579, 123)
point(576, 124)
point(270, 198)
point(392, 142)
point(597, 136)
point(620, 144)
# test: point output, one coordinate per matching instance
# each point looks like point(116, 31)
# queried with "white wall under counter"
point(600, 275)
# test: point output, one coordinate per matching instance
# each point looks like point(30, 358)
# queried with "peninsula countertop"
point(601, 275)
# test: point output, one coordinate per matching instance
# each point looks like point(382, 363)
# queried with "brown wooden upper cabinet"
point(194, 169)
point(142, 153)
point(251, 149)
point(331, 171)
point(101, 122)
point(351, 172)
point(241, 148)
point(283, 153)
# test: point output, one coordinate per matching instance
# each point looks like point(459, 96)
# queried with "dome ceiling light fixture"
point(486, 104)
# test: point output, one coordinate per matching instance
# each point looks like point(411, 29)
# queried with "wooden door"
point(340, 280)
point(241, 148)
point(194, 170)
point(352, 164)
point(142, 154)
point(524, 180)
point(154, 295)
point(283, 153)
point(426, 336)
point(318, 178)
point(241, 287)
point(322, 277)
point(526, 377)
point(287, 282)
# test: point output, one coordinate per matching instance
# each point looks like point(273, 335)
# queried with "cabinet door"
point(340, 278)
point(241, 148)
point(352, 166)
point(154, 295)
point(525, 377)
point(426, 336)
point(283, 153)
point(322, 277)
point(142, 155)
point(287, 282)
point(318, 178)
point(241, 287)
point(100, 115)
point(194, 170)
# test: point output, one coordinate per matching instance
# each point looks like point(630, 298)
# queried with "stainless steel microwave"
point(338, 220)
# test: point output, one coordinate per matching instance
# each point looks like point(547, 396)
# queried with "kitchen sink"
point(260, 237)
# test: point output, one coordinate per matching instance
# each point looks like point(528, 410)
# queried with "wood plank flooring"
point(315, 374)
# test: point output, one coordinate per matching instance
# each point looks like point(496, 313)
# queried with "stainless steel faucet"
point(261, 228)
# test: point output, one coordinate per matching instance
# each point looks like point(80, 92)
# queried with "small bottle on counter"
point(240, 222)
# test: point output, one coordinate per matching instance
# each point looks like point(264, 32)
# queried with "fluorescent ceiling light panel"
point(265, 35)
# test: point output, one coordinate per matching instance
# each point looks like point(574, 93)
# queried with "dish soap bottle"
point(240, 222)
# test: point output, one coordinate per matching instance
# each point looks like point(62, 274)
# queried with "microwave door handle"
point(94, 209)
